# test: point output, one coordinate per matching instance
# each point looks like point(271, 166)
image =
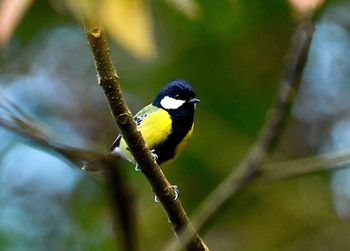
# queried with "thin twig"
point(17, 121)
point(109, 81)
point(249, 168)
point(120, 192)
point(305, 166)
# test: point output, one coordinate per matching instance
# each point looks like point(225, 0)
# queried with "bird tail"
point(99, 164)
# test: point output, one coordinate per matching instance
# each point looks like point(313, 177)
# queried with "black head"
point(176, 95)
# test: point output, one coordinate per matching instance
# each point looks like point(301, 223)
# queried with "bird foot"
point(174, 188)
point(154, 156)
point(137, 168)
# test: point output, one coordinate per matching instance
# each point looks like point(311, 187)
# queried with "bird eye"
point(177, 96)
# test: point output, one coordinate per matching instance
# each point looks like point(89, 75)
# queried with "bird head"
point(176, 95)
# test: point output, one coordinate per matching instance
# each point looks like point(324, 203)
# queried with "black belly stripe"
point(181, 125)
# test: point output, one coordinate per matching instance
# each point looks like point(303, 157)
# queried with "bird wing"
point(138, 118)
point(144, 112)
point(155, 127)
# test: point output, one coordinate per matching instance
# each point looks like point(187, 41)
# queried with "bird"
point(166, 125)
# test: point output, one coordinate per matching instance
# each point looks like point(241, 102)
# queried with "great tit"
point(166, 124)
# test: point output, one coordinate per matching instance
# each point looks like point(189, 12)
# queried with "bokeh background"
point(233, 52)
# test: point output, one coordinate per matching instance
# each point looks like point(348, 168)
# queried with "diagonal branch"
point(14, 119)
point(109, 81)
point(249, 168)
point(305, 166)
point(120, 192)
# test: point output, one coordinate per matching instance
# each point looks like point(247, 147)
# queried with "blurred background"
point(233, 52)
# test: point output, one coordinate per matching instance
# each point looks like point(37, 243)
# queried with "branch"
point(109, 81)
point(305, 166)
point(121, 200)
point(15, 120)
point(120, 193)
point(249, 168)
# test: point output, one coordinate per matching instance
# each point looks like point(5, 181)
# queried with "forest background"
point(234, 53)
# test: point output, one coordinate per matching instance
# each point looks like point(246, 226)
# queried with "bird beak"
point(193, 100)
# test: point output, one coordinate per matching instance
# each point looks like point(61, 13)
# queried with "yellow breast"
point(154, 128)
point(180, 147)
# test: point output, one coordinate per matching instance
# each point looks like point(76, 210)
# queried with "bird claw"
point(154, 156)
point(137, 168)
point(156, 199)
point(174, 188)
point(176, 191)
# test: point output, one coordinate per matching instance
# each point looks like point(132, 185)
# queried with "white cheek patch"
point(171, 103)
